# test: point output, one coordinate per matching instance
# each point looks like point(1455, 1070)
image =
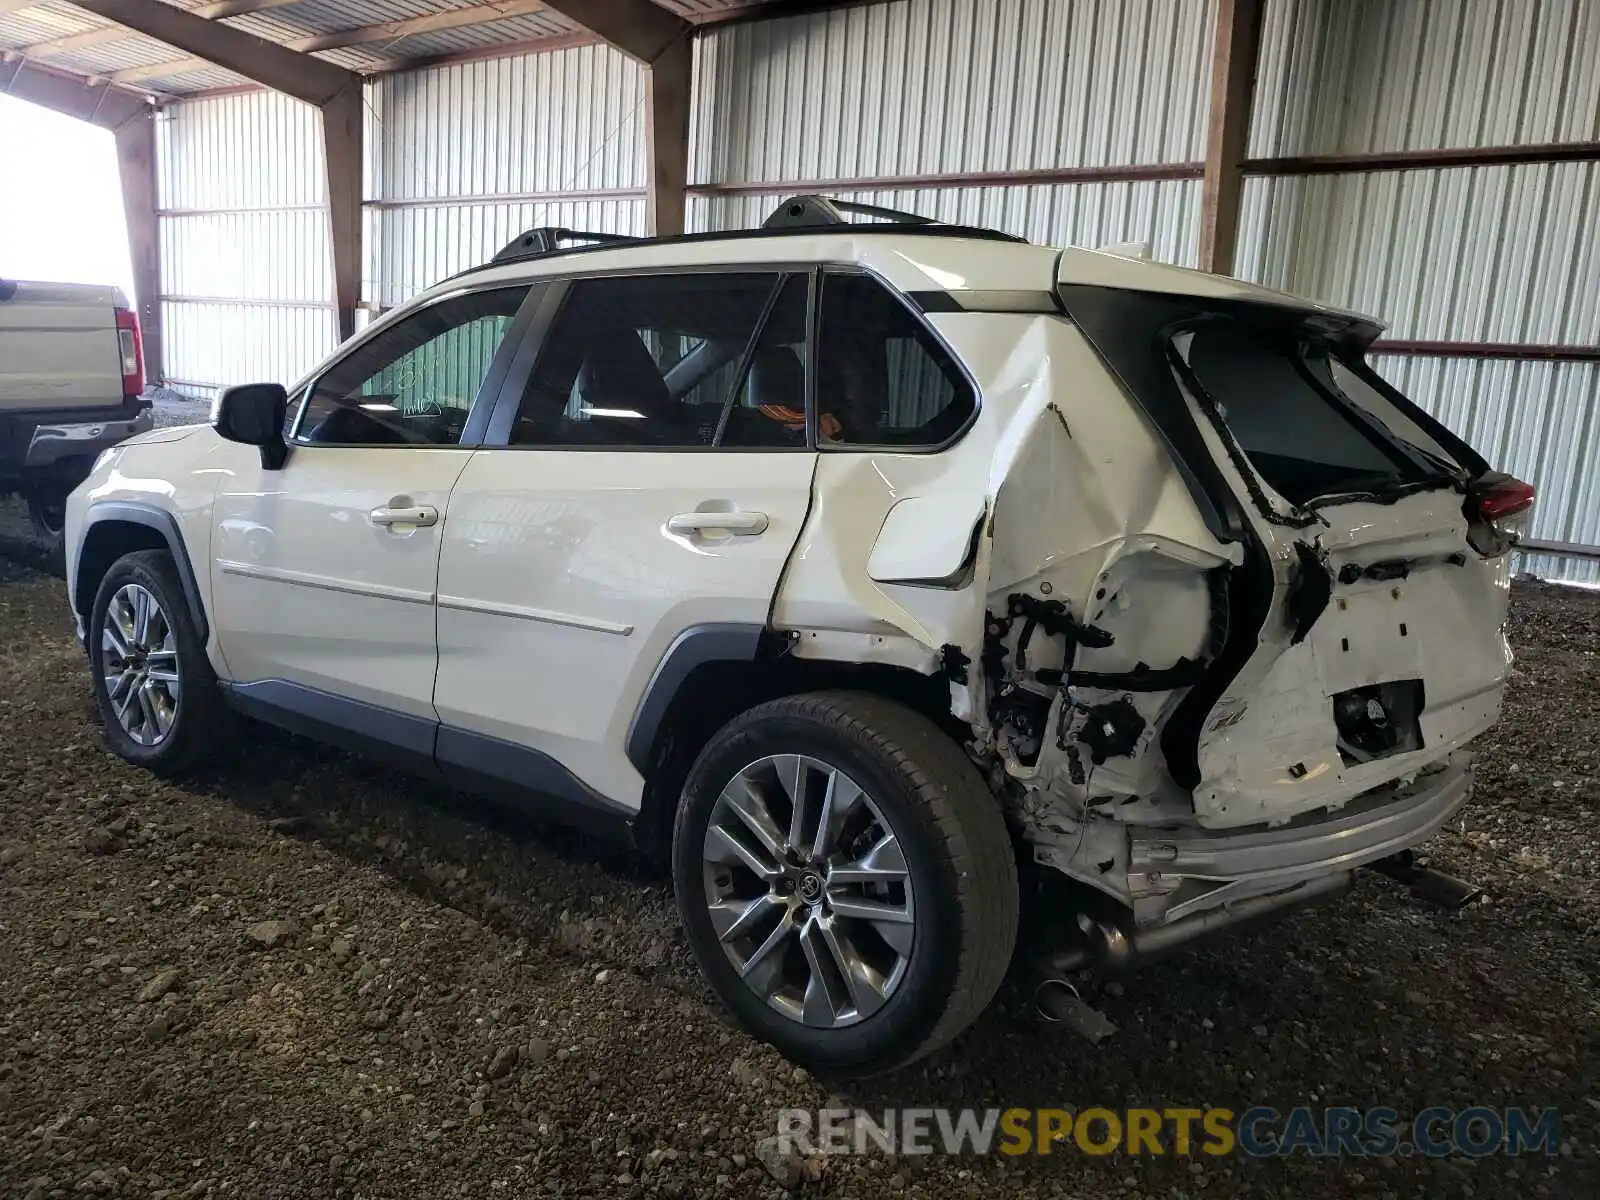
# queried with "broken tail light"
point(1498, 510)
point(131, 348)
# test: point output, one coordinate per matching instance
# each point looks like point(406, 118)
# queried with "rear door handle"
point(740, 524)
point(412, 514)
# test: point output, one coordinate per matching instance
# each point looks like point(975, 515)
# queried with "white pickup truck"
point(71, 379)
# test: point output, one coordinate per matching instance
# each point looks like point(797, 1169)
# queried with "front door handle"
point(412, 514)
point(738, 523)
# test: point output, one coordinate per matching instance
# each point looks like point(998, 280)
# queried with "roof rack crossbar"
point(548, 238)
point(794, 216)
point(799, 211)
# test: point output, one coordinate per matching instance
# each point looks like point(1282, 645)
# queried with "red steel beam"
point(1134, 173)
point(1236, 45)
point(1425, 160)
point(1520, 351)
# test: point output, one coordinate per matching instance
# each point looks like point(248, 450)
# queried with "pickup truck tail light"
point(1498, 509)
point(131, 347)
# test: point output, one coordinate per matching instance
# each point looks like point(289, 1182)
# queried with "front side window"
point(882, 377)
point(672, 361)
point(414, 383)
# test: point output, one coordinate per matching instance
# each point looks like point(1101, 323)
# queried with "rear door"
point(1406, 657)
point(1378, 628)
point(654, 474)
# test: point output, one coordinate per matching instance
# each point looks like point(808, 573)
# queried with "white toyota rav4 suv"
point(858, 561)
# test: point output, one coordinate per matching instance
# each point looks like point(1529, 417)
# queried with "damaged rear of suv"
point(862, 563)
point(1228, 681)
point(1217, 607)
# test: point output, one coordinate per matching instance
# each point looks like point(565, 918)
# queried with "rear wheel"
point(47, 510)
point(47, 513)
point(155, 688)
point(845, 879)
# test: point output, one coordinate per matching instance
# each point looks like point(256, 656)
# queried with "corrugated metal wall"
point(953, 87)
point(1481, 254)
point(246, 272)
point(1423, 74)
point(463, 158)
point(920, 95)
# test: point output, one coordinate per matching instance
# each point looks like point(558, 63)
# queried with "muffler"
point(1111, 947)
point(1426, 884)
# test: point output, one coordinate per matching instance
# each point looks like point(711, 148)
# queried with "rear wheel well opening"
point(103, 544)
point(715, 693)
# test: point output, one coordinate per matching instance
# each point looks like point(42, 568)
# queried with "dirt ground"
point(301, 975)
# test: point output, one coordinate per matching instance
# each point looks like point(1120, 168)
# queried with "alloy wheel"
point(808, 890)
point(139, 663)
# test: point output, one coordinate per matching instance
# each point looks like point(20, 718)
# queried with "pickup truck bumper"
point(52, 443)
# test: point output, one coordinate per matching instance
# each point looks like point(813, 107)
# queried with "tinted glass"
point(882, 378)
point(414, 383)
point(1277, 396)
point(672, 361)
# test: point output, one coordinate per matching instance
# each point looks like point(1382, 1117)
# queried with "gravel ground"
point(301, 975)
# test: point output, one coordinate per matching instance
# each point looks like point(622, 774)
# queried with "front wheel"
point(845, 880)
point(155, 688)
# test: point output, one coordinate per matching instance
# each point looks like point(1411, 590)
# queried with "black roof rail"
point(549, 238)
point(815, 212)
point(798, 211)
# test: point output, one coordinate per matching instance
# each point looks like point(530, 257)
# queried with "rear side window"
point(882, 377)
point(1278, 393)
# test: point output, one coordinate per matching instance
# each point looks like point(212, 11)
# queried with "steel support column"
point(136, 163)
point(341, 150)
point(666, 105)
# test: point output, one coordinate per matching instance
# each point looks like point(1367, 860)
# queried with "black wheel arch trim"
point(697, 645)
point(163, 523)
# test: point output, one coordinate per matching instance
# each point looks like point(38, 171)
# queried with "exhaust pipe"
point(1110, 947)
point(1426, 884)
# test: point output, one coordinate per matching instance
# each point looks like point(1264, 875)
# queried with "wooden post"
point(1235, 47)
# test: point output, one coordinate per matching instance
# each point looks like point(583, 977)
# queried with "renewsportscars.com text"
point(1258, 1132)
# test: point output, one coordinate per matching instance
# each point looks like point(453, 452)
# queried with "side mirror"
point(253, 414)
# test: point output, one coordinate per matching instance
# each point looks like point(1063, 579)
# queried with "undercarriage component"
point(1111, 947)
point(1058, 1000)
point(1111, 730)
point(1022, 715)
point(1434, 887)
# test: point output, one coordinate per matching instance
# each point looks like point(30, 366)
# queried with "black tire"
point(957, 851)
point(200, 723)
point(47, 513)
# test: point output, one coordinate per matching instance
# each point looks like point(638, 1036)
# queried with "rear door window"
point(672, 361)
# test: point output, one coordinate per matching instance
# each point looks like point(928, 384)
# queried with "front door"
point(324, 572)
point(655, 476)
